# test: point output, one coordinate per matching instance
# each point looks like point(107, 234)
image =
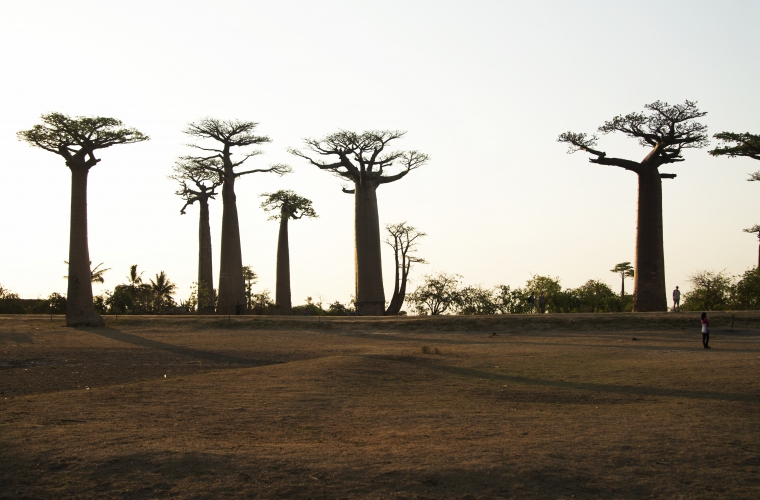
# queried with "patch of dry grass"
point(504, 407)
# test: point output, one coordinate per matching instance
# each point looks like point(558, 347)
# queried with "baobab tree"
point(76, 140)
point(286, 205)
point(743, 144)
point(403, 239)
point(666, 130)
point(363, 160)
point(228, 135)
point(625, 270)
point(198, 183)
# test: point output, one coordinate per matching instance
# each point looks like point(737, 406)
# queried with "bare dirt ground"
point(556, 406)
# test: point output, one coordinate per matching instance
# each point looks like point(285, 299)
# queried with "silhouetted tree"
point(96, 273)
point(76, 140)
point(667, 130)
point(403, 239)
point(437, 294)
point(228, 135)
point(363, 160)
point(198, 179)
point(625, 270)
point(286, 205)
point(250, 277)
point(733, 145)
point(162, 290)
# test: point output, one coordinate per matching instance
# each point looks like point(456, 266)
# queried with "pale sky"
point(483, 87)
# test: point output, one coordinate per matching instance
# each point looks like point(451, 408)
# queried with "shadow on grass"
point(580, 386)
point(210, 475)
point(119, 336)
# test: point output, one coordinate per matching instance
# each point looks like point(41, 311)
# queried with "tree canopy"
point(77, 138)
point(229, 133)
point(198, 179)
point(362, 156)
point(287, 203)
point(733, 145)
point(667, 129)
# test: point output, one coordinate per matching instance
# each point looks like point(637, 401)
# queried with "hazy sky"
point(483, 87)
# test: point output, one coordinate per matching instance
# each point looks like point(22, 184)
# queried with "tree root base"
point(93, 321)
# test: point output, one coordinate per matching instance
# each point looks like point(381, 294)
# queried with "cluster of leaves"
point(443, 293)
point(264, 304)
point(138, 296)
point(719, 291)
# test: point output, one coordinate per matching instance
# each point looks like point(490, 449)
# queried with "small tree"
point(77, 140)
point(198, 179)
point(475, 299)
point(228, 135)
point(711, 291)
point(403, 239)
point(364, 160)
point(285, 205)
point(666, 130)
point(624, 270)
point(437, 294)
point(162, 290)
point(251, 278)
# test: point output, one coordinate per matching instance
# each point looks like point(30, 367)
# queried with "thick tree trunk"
point(622, 287)
point(231, 282)
point(282, 291)
point(205, 262)
point(370, 296)
point(649, 268)
point(80, 310)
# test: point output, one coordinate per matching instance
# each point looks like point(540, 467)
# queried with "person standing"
point(541, 303)
point(705, 331)
point(676, 300)
point(531, 301)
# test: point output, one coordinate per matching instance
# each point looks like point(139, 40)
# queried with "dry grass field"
point(556, 406)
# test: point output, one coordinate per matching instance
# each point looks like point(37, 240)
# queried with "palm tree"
point(96, 274)
point(162, 289)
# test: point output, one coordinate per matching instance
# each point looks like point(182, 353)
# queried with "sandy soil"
point(556, 406)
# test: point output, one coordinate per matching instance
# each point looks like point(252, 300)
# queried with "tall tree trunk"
point(80, 310)
point(282, 291)
point(649, 268)
point(400, 293)
point(231, 281)
point(205, 262)
point(370, 296)
point(394, 306)
point(622, 287)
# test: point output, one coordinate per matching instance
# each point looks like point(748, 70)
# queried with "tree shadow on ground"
point(581, 386)
point(217, 357)
point(211, 475)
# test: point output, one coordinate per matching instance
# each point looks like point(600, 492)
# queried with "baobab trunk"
point(231, 282)
point(399, 294)
point(370, 296)
point(80, 310)
point(649, 268)
point(393, 307)
point(282, 292)
point(205, 263)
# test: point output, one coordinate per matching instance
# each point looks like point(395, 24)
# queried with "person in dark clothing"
point(705, 331)
point(531, 302)
point(541, 303)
